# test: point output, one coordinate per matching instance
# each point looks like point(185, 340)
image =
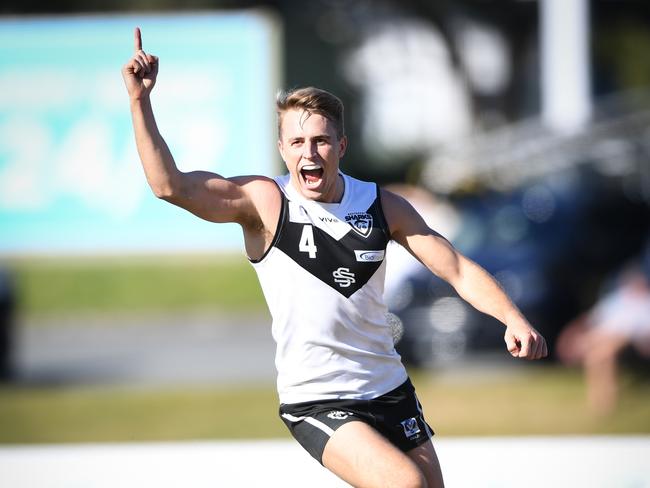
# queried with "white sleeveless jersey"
point(323, 280)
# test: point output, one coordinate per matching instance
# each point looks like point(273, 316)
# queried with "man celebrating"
point(317, 239)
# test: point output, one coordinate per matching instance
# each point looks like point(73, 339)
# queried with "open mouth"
point(312, 174)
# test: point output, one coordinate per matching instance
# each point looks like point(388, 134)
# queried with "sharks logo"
point(361, 222)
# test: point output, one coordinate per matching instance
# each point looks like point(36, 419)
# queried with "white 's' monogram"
point(343, 277)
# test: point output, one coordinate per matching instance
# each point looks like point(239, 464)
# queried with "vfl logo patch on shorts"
point(411, 428)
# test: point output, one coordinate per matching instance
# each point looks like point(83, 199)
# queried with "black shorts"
point(397, 415)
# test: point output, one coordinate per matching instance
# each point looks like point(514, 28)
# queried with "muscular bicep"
point(215, 198)
point(409, 229)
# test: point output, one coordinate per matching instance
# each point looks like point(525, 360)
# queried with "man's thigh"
point(361, 456)
point(427, 460)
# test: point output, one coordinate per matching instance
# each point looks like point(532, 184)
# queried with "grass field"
point(135, 284)
point(543, 401)
point(540, 401)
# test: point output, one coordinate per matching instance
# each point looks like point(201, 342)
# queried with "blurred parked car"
point(549, 244)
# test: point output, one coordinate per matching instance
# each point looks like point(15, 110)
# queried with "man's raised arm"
point(473, 283)
point(205, 194)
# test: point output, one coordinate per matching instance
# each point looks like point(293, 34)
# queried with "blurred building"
point(529, 117)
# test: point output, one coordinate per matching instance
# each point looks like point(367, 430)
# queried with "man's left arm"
point(471, 282)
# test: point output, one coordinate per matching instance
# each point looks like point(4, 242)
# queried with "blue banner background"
point(70, 179)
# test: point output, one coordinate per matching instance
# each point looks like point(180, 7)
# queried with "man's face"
point(311, 150)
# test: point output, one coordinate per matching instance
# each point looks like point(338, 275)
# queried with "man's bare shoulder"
point(259, 189)
point(252, 179)
point(393, 205)
point(401, 216)
point(264, 198)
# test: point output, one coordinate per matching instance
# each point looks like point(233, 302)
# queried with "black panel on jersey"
point(336, 262)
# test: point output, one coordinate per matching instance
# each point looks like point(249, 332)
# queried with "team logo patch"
point(411, 428)
point(338, 415)
point(361, 222)
point(364, 256)
point(343, 277)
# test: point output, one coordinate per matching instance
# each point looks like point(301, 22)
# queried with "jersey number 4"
point(306, 243)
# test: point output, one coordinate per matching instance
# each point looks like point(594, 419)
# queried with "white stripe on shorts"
point(316, 423)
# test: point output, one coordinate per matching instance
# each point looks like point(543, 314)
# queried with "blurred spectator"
point(597, 339)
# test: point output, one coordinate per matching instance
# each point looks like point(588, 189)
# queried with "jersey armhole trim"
point(278, 229)
point(380, 213)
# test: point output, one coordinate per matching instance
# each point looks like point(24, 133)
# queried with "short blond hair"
point(313, 101)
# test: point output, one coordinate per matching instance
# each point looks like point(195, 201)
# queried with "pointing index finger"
point(138, 39)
